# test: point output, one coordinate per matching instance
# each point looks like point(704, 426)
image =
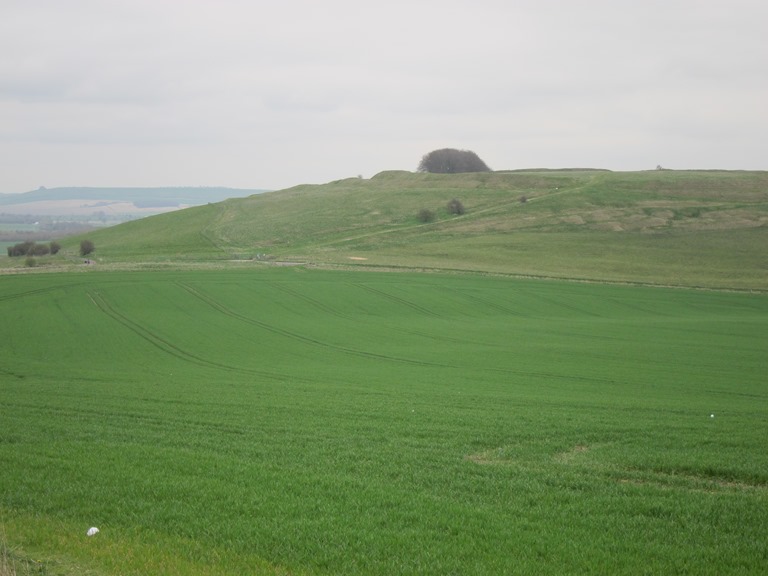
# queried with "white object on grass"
point(92, 531)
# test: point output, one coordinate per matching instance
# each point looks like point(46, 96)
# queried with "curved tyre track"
point(398, 300)
point(36, 291)
point(489, 303)
point(304, 339)
point(332, 311)
point(316, 303)
point(166, 346)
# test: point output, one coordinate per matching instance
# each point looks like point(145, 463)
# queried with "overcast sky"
point(270, 94)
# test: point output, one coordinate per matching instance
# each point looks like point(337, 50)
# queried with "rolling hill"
point(692, 228)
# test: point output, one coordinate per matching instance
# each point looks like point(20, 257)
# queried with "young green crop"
point(297, 421)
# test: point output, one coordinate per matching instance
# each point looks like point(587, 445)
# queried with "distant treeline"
point(156, 203)
point(45, 233)
point(169, 195)
point(45, 222)
point(25, 236)
point(18, 218)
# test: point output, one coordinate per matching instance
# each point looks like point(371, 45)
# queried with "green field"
point(301, 421)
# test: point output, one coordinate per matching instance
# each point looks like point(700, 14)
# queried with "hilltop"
point(701, 228)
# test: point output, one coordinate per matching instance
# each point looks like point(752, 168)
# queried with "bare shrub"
point(426, 215)
point(456, 207)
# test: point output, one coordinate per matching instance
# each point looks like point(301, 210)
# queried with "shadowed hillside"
point(703, 228)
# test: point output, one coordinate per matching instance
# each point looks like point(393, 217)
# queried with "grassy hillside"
point(702, 228)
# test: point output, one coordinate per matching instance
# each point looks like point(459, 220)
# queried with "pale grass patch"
point(690, 483)
point(573, 453)
point(655, 222)
point(500, 456)
point(606, 215)
point(608, 227)
point(574, 219)
point(664, 214)
point(492, 457)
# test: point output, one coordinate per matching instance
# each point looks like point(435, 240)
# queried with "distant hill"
point(114, 201)
point(700, 228)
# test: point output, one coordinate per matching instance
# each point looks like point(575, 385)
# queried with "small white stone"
point(711, 415)
point(92, 531)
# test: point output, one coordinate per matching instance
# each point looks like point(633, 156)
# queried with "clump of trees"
point(452, 161)
point(30, 248)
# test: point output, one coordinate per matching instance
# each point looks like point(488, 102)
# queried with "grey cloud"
point(303, 91)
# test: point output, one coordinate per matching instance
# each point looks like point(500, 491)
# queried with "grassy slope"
point(687, 228)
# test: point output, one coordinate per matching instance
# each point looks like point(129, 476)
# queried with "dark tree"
point(55, 247)
point(456, 207)
point(86, 247)
point(452, 161)
point(425, 215)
